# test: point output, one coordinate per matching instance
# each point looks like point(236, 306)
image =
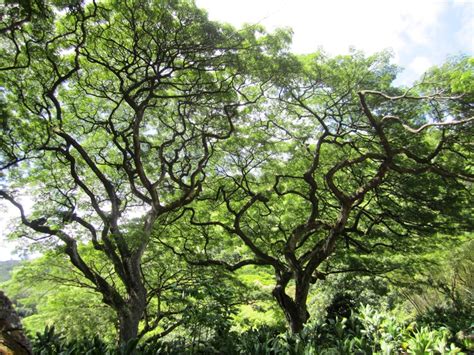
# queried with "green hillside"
point(5, 269)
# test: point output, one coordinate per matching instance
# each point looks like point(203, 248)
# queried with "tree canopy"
point(332, 169)
point(112, 112)
point(154, 141)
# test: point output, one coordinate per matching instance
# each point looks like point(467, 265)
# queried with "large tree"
point(110, 114)
point(338, 163)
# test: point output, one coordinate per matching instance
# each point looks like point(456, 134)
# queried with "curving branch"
point(426, 125)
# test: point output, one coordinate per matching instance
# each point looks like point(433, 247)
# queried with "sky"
point(420, 34)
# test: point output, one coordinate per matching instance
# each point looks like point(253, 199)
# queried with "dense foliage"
point(191, 183)
point(366, 331)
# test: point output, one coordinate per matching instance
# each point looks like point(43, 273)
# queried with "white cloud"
point(419, 65)
point(461, 2)
point(419, 19)
point(369, 25)
point(464, 36)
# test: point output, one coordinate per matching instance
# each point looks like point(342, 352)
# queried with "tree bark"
point(128, 326)
point(296, 312)
point(129, 318)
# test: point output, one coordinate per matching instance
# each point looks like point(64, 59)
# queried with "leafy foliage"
point(162, 151)
point(366, 331)
point(113, 111)
point(335, 178)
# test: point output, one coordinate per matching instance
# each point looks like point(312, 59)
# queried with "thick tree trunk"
point(131, 312)
point(129, 318)
point(296, 313)
point(128, 325)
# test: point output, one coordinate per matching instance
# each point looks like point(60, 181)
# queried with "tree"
point(50, 291)
point(12, 339)
point(339, 164)
point(111, 112)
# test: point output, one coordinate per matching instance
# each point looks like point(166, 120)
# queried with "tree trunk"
point(128, 326)
point(132, 308)
point(131, 312)
point(129, 319)
point(296, 313)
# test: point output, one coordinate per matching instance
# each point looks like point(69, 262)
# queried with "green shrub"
point(367, 330)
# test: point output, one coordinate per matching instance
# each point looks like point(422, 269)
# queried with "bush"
point(366, 331)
